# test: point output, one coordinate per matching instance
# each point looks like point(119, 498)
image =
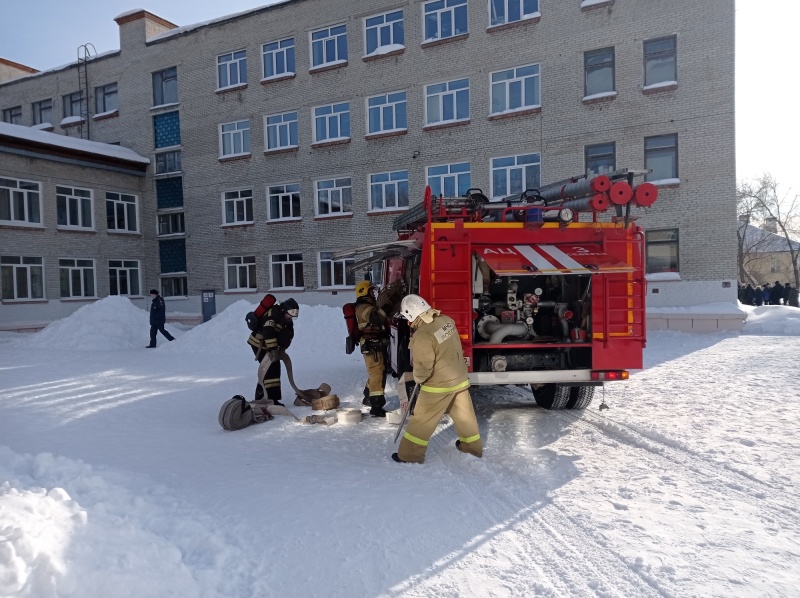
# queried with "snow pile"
point(224, 334)
point(112, 323)
point(772, 320)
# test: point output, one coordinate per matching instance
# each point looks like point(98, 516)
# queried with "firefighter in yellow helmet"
point(374, 340)
point(441, 372)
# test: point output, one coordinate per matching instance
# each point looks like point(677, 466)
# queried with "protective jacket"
point(371, 320)
point(439, 365)
point(158, 311)
point(275, 331)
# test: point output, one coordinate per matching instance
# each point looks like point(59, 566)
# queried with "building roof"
point(758, 240)
point(19, 134)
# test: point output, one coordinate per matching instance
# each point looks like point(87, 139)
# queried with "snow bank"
point(772, 320)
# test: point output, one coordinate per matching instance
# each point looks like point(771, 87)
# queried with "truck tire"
point(580, 397)
point(551, 396)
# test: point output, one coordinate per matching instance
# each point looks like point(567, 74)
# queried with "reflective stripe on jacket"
point(436, 351)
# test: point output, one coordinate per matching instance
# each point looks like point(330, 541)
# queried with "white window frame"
point(338, 269)
point(240, 202)
point(386, 29)
point(510, 169)
point(238, 266)
point(237, 134)
point(386, 107)
point(442, 98)
point(172, 221)
point(281, 193)
point(284, 126)
point(232, 69)
point(127, 272)
point(123, 201)
point(336, 114)
point(23, 194)
point(78, 201)
point(519, 78)
point(336, 196)
point(397, 181)
point(12, 268)
point(331, 53)
point(450, 6)
point(286, 261)
point(282, 55)
point(495, 22)
point(84, 270)
point(452, 178)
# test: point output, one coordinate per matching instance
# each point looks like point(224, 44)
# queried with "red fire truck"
point(542, 290)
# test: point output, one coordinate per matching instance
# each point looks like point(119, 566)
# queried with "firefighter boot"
point(377, 402)
point(365, 400)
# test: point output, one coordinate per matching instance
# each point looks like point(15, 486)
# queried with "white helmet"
point(412, 306)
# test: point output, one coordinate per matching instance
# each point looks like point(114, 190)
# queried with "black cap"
point(289, 304)
point(153, 292)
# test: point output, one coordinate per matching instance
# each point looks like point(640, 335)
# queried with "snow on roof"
point(81, 145)
point(187, 28)
point(59, 68)
point(758, 240)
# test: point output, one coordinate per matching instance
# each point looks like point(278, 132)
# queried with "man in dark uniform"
point(158, 317)
point(273, 334)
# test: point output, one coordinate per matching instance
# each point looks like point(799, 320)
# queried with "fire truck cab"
point(539, 295)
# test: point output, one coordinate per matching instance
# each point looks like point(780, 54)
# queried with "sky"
point(767, 124)
point(117, 480)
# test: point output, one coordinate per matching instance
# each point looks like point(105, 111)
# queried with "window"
point(450, 180)
point(167, 129)
point(234, 138)
point(73, 105)
point(333, 273)
point(232, 69)
point(332, 122)
point(105, 98)
point(169, 192)
point(123, 277)
point(240, 273)
point(20, 202)
point(512, 175)
point(384, 32)
point(278, 58)
point(388, 190)
point(176, 286)
point(74, 207)
point(281, 130)
point(168, 162)
point(386, 113)
point(165, 87)
point(42, 112)
point(329, 46)
point(599, 71)
point(283, 202)
point(662, 250)
point(447, 102)
point(661, 154)
point(237, 206)
point(334, 196)
point(171, 224)
point(660, 60)
point(286, 270)
point(13, 115)
point(600, 158)
point(121, 210)
point(76, 277)
point(21, 277)
point(445, 18)
point(515, 89)
point(511, 11)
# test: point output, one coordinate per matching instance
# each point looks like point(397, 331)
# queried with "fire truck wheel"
point(551, 396)
point(580, 397)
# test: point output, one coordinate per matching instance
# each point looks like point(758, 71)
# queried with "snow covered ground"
point(116, 480)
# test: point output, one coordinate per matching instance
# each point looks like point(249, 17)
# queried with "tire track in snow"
point(551, 547)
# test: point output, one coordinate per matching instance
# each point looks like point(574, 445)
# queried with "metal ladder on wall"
point(84, 54)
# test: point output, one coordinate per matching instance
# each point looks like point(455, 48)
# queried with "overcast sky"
point(767, 121)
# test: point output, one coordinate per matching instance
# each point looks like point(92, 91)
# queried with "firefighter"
point(374, 339)
point(441, 373)
point(273, 334)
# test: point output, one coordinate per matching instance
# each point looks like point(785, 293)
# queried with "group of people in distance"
point(769, 294)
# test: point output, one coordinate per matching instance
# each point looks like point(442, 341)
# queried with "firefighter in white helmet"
point(439, 369)
point(371, 322)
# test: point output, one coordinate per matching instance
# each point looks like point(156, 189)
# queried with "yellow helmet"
point(363, 288)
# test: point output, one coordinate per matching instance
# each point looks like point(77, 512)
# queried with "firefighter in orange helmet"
point(371, 322)
point(441, 373)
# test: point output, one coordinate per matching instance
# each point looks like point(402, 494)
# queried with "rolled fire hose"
point(321, 395)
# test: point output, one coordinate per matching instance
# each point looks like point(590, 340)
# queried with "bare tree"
point(760, 200)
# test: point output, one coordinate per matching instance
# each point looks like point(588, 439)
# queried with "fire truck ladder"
point(451, 281)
